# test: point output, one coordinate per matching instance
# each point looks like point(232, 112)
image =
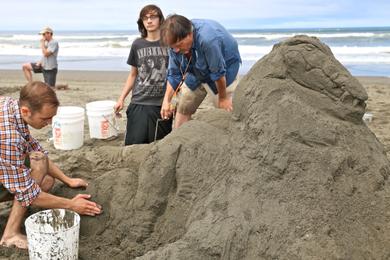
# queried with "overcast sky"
point(234, 14)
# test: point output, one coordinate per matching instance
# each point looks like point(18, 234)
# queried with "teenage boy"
point(148, 61)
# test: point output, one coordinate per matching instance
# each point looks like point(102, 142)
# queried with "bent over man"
point(203, 58)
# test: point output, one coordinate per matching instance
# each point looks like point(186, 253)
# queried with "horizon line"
point(228, 28)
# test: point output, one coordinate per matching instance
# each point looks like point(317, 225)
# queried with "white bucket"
point(68, 128)
point(101, 119)
point(367, 117)
point(53, 234)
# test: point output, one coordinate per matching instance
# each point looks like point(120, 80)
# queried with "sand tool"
point(110, 123)
point(155, 131)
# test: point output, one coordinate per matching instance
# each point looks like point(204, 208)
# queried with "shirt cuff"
point(27, 197)
point(217, 75)
point(174, 83)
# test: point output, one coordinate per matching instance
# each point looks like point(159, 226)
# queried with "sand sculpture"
point(293, 173)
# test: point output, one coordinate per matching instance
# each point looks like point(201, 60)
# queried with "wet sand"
point(85, 87)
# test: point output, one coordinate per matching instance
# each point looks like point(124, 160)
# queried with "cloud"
point(122, 14)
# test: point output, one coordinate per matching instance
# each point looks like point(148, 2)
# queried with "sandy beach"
point(84, 87)
point(88, 86)
point(378, 89)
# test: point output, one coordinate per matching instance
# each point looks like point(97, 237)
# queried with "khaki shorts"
point(190, 100)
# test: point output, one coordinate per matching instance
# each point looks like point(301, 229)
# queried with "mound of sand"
point(293, 173)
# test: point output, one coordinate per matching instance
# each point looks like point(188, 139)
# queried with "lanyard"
point(183, 74)
point(183, 78)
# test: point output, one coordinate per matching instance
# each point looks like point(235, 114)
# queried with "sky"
point(234, 14)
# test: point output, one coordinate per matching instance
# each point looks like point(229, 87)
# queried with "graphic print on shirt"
point(152, 71)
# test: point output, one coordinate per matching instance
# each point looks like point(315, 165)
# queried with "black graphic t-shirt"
point(151, 60)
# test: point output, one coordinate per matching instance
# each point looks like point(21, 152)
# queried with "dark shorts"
point(5, 195)
point(141, 124)
point(50, 76)
point(36, 68)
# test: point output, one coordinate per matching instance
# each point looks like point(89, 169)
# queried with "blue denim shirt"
point(214, 54)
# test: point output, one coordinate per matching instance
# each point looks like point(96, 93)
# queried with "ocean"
point(364, 51)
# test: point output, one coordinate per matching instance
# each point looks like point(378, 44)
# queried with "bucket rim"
point(100, 113)
point(100, 105)
point(70, 111)
point(35, 228)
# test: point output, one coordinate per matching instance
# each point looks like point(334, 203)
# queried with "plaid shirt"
point(15, 144)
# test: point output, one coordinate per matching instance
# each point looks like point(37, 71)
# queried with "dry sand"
point(91, 86)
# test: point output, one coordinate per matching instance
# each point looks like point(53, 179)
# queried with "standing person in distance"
point(148, 60)
point(48, 65)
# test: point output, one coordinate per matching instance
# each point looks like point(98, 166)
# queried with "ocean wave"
point(355, 47)
point(343, 49)
point(104, 44)
point(248, 52)
point(344, 54)
point(37, 37)
point(262, 36)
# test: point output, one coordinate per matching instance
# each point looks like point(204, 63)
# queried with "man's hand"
point(77, 183)
point(42, 41)
point(166, 111)
point(39, 164)
point(37, 156)
point(82, 205)
point(225, 103)
point(224, 99)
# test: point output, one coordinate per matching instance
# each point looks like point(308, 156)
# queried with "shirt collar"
point(22, 126)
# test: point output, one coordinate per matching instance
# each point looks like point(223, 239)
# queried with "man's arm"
point(217, 68)
point(40, 166)
point(46, 166)
point(56, 173)
point(45, 52)
point(30, 193)
point(126, 88)
point(50, 49)
point(166, 111)
point(173, 80)
point(79, 203)
point(224, 101)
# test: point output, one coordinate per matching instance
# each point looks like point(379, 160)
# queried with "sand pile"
point(293, 173)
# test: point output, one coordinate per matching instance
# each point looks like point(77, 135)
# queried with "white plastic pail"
point(367, 117)
point(101, 119)
point(68, 128)
point(53, 234)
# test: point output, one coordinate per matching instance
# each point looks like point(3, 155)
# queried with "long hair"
point(144, 11)
point(35, 94)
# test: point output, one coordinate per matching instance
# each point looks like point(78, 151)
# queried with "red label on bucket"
point(104, 128)
point(57, 136)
